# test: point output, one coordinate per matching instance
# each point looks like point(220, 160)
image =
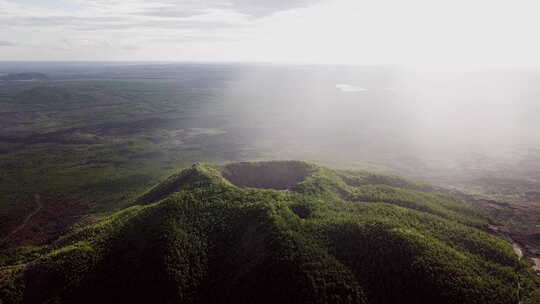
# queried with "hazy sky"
point(416, 32)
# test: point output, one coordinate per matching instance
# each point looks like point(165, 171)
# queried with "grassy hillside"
point(305, 234)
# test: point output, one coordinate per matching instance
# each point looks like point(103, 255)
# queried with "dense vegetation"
point(89, 146)
point(92, 137)
point(332, 237)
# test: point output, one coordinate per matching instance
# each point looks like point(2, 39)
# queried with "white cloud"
point(7, 43)
point(415, 32)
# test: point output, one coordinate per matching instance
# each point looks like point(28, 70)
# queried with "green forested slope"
point(327, 236)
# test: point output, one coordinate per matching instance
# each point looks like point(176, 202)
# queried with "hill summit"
point(277, 232)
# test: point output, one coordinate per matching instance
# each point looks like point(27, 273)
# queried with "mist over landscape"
point(411, 121)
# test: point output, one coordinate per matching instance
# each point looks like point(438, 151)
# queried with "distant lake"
point(347, 88)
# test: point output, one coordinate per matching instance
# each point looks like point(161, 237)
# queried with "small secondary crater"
point(278, 175)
